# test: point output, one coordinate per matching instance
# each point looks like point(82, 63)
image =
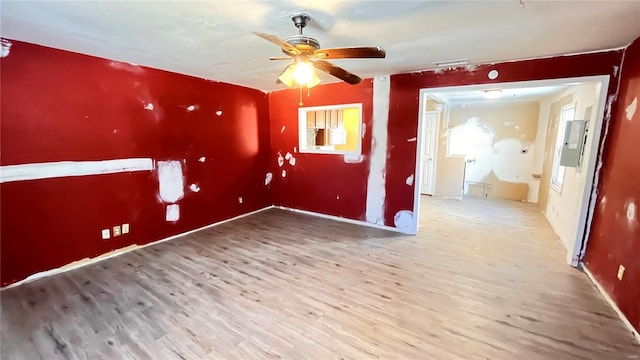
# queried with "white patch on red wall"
point(148, 106)
point(172, 213)
point(267, 178)
point(284, 173)
point(353, 159)
point(290, 158)
point(171, 181)
point(413, 139)
point(194, 187)
point(631, 109)
point(191, 107)
point(403, 220)
point(630, 208)
point(376, 191)
point(34, 171)
point(409, 180)
point(6, 47)
point(603, 203)
point(282, 129)
point(219, 113)
point(280, 160)
point(202, 159)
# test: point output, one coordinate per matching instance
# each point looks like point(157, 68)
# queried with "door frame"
point(435, 151)
point(588, 196)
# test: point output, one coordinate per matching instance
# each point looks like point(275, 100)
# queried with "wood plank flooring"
point(483, 280)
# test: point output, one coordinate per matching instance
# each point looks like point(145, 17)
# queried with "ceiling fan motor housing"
point(306, 44)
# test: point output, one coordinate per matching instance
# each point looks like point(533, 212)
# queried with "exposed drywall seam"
point(612, 303)
point(376, 192)
point(34, 171)
point(596, 175)
point(89, 261)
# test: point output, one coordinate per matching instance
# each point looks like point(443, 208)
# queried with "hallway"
point(482, 280)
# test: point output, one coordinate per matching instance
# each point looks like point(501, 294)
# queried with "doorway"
point(491, 177)
point(429, 151)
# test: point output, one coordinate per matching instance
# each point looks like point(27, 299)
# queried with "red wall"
point(404, 105)
point(316, 180)
point(320, 183)
point(615, 230)
point(58, 105)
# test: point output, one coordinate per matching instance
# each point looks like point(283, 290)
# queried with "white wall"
point(563, 207)
point(537, 149)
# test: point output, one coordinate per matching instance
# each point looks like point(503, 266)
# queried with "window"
point(567, 113)
point(330, 129)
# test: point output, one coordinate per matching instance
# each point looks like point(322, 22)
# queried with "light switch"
point(116, 231)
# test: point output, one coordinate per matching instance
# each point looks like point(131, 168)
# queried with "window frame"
point(302, 129)
point(557, 180)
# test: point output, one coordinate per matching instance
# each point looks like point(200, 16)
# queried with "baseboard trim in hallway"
point(611, 303)
point(124, 250)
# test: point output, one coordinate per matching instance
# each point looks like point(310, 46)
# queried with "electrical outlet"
point(105, 234)
point(125, 228)
point(116, 231)
point(620, 272)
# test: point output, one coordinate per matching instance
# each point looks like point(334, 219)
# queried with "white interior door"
point(431, 122)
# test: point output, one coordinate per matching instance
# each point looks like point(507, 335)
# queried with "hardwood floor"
point(482, 280)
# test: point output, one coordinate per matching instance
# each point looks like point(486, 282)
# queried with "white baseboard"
point(346, 220)
point(615, 307)
point(88, 261)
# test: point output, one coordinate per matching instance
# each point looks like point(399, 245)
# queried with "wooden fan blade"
point(351, 53)
point(280, 58)
point(286, 47)
point(337, 71)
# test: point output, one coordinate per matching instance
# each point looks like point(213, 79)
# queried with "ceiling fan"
point(307, 55)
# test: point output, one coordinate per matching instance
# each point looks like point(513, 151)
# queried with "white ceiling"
point(507, 94)
point(213, 40)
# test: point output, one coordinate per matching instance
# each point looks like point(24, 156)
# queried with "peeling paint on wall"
point(284, 173)
point(148, 106)
point(202, 159)
point(413, 139)
point(219, 113)
point(171, 181)
point(191, 107)
point(267, 178)
point(631, 109)
point(194, 187)
point(282, 129)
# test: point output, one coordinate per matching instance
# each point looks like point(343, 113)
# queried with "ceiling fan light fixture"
point(303, 72)
point(300, 73)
